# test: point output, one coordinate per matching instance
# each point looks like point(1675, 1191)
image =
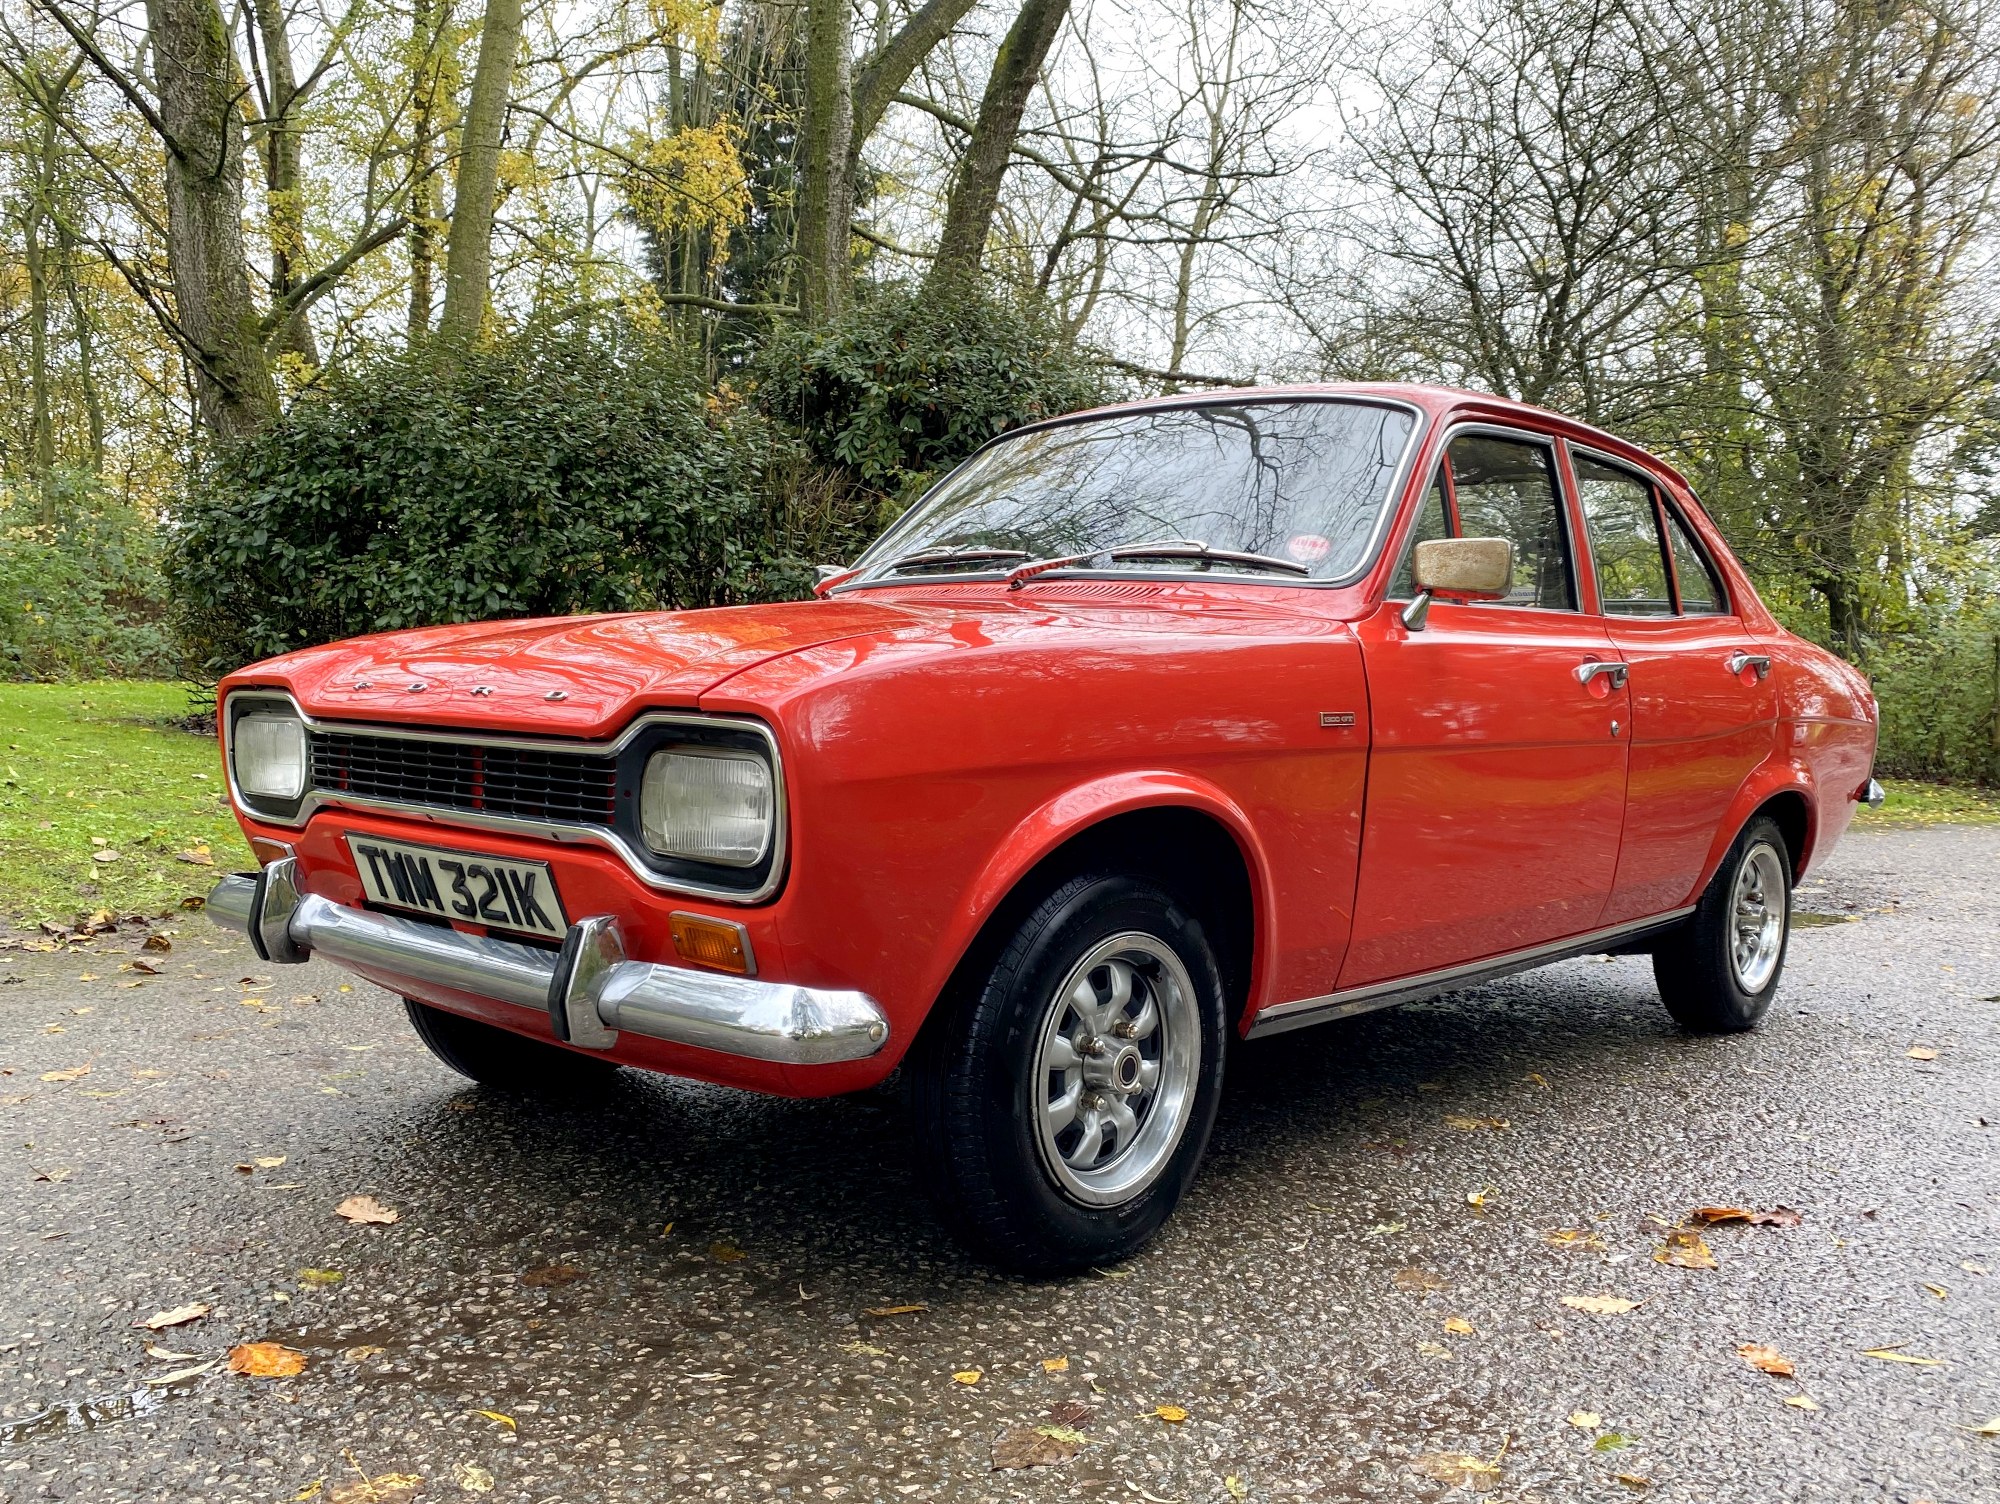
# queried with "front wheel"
point(1061, 1112)
point(1718, 971)
point(505, 1060)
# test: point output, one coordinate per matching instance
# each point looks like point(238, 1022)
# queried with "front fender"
point(1075, 810)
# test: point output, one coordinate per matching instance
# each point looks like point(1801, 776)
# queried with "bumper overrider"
point(589, 989)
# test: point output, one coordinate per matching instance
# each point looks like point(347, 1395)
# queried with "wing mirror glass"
point(1473, 569)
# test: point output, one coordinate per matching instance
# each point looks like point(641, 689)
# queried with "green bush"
point(1938, 693)
point(563, 470)
point(81, 593)
point(905, 385)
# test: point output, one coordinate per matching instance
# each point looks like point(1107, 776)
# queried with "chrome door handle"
point(1738, 661)
point(1615, 672)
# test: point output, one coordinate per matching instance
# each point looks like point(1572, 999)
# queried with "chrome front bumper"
point(589, 989)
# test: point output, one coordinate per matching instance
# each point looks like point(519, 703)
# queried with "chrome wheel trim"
point(1115, 1071)
point(1758, 908)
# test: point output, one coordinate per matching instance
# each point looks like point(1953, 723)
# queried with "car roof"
point(1434, 401)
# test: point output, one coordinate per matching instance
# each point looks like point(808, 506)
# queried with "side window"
point(1506, 488)
point(1433, 521)
point(1624, 540)
point(1700, 591)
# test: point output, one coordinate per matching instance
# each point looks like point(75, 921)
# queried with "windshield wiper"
point(1165, 548)
point(969, 553)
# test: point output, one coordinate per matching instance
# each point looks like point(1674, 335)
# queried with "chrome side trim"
point(1301, 1012)
point(544, 830)
point(603, 991)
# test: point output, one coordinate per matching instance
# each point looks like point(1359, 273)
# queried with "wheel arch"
point(1784, 791)
point(1188, 835)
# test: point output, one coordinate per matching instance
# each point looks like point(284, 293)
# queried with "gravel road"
point(677, 1292)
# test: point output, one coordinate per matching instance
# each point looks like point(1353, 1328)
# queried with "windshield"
point(1303, 481)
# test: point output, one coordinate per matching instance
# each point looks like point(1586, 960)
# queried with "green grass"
point(1912, 803)
point(105, 762)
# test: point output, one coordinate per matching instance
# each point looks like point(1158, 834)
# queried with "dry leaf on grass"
point(157, 944)
point(161, 1320)
point(266, 1360)
point(1766, 1359)
point(1777, 1216)
point(909, 1310)
point(1600, 1305)
point(366, 1209)
point(1684, 1249)
point(1024, 1446)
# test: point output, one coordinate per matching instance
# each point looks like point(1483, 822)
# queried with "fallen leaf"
point(169, 1357)
point(864, 1350)
point(1573, 1237)
point(363, 1354)
point(1418, 1279)
point(161, 1320)
point(387, 1488)
point(180, 1375)
point(1632, 1480)
point(1800, 1402)
point(966, 1376)
point(1684, 1249)
point(366, 1209)
point(1890, 1355)
point(498, 1419)
point(1433, 1350)
point(1538, 1078)
point(1938, 1290)
point(1071, 1413)
point(1022, 1446)
point(726, 1253)
point(1777, 1216)
point(1235, 1487)
point(1585, 1420)
point(1386, 1229)
point(1055, 1365)
point(197, 856)
point(1611, 1441)
point(266, 1360)
point(106, 855)
point(1971, 1268)
point(54, 1177)
point(1173, 1415)
point(268, 1161)
point(473, 1479)
point(1922, 1052)
point(881, 1311)
point(1472, 1125)
point(1765, 1359)
point(1457, 1467)
point(1458, 1326)
point(547, 1276)
point(1991, 1428)
point(320, 1276)
point(1477, 1198)
point(74, 1073)
point(1600, 1305)
point(158, 944)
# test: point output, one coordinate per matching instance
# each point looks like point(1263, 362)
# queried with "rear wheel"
point(1062, 1111)
point(1719, 971)
point(500, 1058)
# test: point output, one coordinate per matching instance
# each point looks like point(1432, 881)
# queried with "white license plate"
point(507, 895)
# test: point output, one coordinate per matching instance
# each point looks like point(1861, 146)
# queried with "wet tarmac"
point(677, 1292)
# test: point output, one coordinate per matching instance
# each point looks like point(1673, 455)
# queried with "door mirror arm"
point(1417, 612)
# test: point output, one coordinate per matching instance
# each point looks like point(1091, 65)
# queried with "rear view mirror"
point(1475, 568)
point(1460, 568)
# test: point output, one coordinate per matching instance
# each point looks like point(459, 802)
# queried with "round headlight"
point(707, 805)
point(267, 753)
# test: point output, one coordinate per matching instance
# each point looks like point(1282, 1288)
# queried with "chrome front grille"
point(525, 784)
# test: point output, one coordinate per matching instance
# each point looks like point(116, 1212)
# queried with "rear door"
point(1703, 702)
point(1496, 779)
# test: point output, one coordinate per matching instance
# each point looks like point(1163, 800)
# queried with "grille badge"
point(482, 689)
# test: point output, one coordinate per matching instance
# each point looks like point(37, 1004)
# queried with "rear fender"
point(1777, 775)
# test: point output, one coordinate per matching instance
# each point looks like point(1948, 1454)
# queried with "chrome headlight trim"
point(650, 786)
point(560, 833)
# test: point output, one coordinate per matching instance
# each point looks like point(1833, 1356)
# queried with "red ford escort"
point(1148, 729)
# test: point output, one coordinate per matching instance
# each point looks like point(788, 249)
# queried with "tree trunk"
point(217, 322)
point(975, 189)
point(42, 440)
point(826, 189)
point(426, 200)
point(283, 183)
point(468, 266)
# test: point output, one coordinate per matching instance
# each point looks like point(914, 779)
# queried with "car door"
point(1704, 704)
point(1496, 779)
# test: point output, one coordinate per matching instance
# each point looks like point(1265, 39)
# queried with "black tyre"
point(503, 1059)
point(1062, 1108)
point(1719, 970)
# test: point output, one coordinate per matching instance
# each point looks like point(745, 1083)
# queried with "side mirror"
point(1460, 569)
